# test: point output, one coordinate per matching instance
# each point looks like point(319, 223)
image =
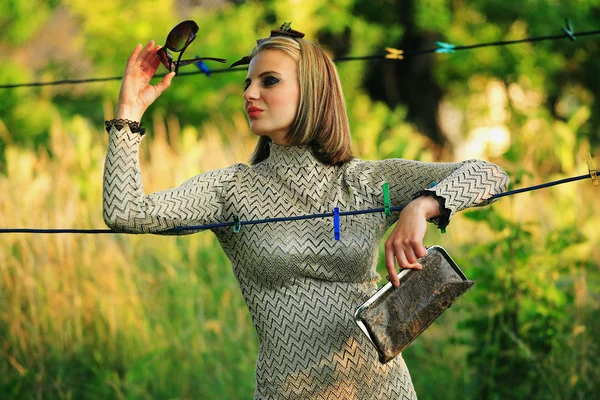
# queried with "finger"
point(155, 62)
point(390, 265)
point(150, 57)
point(410, 255)
point(133, 56)
point(400, 254)
point(164, 83)
point(142, 54)
point(401, 258)
point(420, 250)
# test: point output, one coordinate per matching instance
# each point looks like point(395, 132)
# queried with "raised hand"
point(136, 93)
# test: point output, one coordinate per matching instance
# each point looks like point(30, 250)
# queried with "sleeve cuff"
point(443, 219)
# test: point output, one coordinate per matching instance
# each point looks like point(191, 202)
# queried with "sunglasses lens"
point(181, 35)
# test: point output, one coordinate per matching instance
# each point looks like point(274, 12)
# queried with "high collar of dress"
point(292, 156)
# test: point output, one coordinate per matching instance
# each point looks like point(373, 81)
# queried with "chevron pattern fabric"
point(300, 285)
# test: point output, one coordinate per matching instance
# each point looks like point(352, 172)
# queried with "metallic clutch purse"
point(393, 317)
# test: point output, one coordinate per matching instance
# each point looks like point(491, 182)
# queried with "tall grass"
point(116, 316)
point(145, 317)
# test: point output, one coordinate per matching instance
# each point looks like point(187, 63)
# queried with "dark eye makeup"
point(270, 80)
point(267, 81)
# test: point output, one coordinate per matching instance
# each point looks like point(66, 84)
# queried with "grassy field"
point(150, 317)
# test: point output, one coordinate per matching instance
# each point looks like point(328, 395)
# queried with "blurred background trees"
point(116, 316)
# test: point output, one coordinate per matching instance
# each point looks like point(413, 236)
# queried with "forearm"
point(123, 191)
point(454, 186)
point(127, 208)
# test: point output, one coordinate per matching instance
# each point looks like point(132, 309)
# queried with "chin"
point(257, 130)
point(260, 131)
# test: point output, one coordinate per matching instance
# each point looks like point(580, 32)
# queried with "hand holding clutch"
point(393, 317)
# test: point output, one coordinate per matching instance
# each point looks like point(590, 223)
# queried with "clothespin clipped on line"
point(386, 199)
point(592, 170)
point(569, 30)
point(394, 54)
point(336, 223)
point(202, 66)
point(237, 225)
point(444, 47)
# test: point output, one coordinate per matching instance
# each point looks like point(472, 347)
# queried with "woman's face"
point(272, 94)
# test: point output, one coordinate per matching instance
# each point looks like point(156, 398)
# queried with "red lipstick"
point(254, 111)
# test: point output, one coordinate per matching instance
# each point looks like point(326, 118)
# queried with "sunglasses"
point(178, 40)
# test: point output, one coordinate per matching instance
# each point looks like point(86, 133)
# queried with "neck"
point(291, 155)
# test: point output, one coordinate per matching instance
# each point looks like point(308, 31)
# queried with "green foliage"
point(124, 317)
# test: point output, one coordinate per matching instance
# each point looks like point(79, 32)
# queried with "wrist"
point(129, 112)
point(134, 126)
point(428, 206)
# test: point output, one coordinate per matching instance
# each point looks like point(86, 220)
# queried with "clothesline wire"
point(443, 48)
point(473, 46)
point(292, 218)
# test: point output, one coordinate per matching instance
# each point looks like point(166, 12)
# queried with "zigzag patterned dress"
point(300, 285)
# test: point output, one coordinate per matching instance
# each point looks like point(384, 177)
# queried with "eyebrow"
point(262, 74)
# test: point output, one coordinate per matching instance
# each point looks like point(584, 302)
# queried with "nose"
point(251, 93)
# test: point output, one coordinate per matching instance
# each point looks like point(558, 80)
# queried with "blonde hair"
point(321, 121)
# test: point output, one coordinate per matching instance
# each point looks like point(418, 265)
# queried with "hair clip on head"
point(284, 30)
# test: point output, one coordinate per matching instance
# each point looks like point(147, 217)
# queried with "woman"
point(300, 285)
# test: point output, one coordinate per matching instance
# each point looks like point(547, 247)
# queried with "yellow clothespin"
point(592, 169)
point(394, 54)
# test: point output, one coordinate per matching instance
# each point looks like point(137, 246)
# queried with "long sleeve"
point(456, 186)
point(126, 208)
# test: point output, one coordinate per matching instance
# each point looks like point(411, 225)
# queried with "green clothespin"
point(386, 199)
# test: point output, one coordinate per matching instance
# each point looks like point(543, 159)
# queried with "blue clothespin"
point(336, 223)
point(444, 47)
point(569, 30)
point(237, 225)
point(386, 199)
point(202, 67)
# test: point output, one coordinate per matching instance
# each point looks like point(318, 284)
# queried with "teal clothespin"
point(336, 223)
point(237, 225)
point(386, 199)
point(569, 30)
point(444, 47)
